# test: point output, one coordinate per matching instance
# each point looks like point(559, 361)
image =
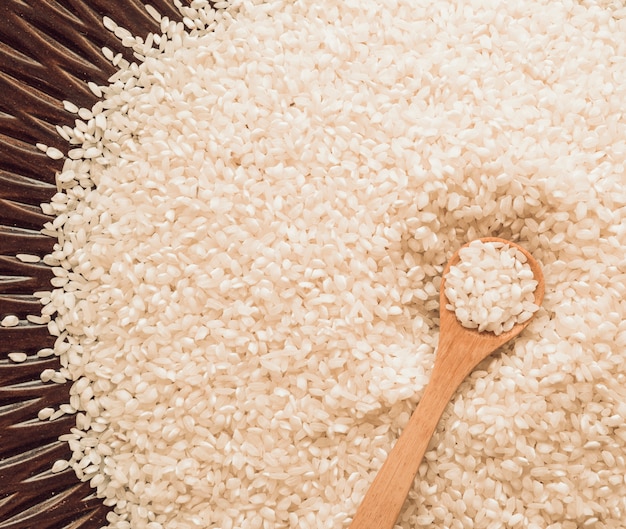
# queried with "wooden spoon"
point(459, 351)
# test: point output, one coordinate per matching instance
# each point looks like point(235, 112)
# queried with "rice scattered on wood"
point(252, 224)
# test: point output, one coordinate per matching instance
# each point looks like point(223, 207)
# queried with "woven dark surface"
point(49, 49)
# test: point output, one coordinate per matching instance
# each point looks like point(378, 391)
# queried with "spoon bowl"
point(469, 346)
point(459, 351)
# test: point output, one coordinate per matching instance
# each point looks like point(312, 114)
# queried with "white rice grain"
point(28, 258)
point(17, 357)
point(10, 320)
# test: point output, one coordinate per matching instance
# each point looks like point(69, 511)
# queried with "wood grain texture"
point(49, 50)
point(459, 351)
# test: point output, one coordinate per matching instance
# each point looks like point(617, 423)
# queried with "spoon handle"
point(384, 499)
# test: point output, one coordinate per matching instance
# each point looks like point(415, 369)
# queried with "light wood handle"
point(458, 352)
point(384, 499)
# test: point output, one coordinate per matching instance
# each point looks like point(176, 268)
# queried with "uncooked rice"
point(491, 288)
point(10, 320)
point(17, 357)
point(252, 223)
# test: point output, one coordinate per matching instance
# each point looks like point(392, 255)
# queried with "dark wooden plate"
point(49, 50)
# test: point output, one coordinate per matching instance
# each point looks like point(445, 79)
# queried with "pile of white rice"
point(491, 288)
point(252, 225)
